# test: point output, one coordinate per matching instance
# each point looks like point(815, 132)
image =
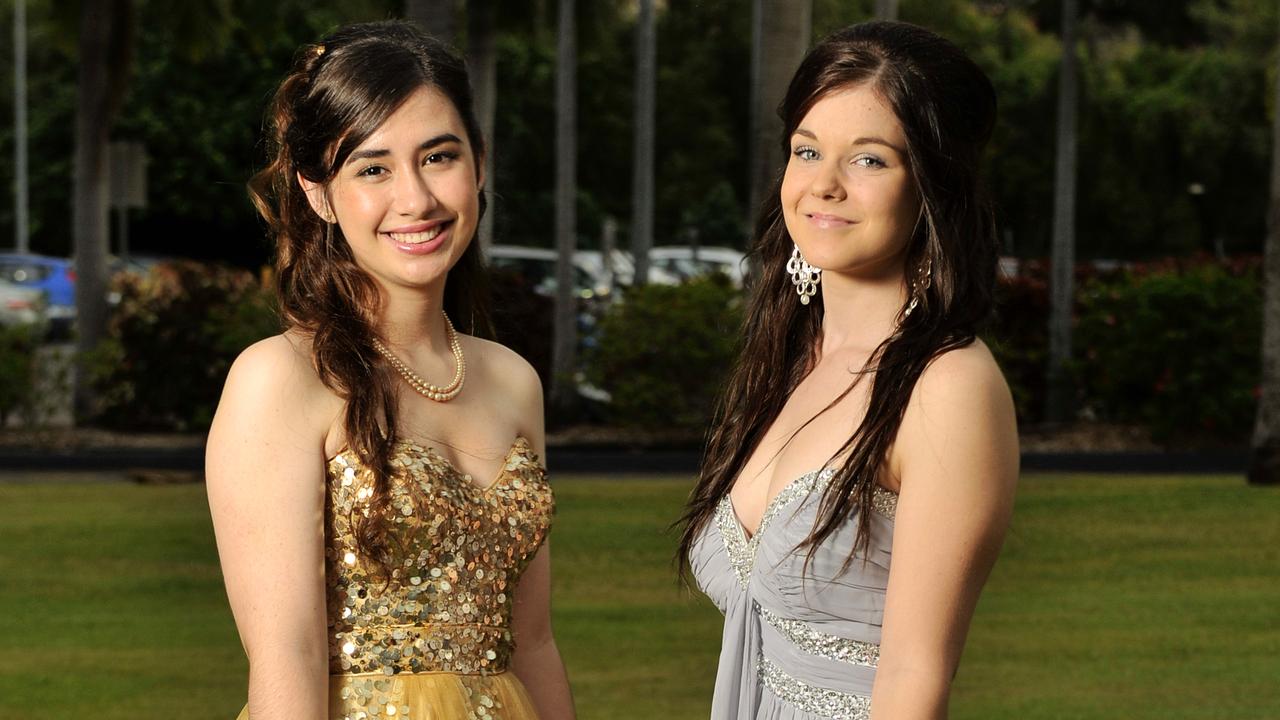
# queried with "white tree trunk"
point(482, 61)
point(1062, 280)
point(564, 348)
point(1264, 464)
point(780, 31)
point(103, 65)
point(642, 155)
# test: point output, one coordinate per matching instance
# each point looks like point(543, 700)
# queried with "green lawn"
point(1116, 597)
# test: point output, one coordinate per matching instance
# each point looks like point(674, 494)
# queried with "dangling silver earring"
point(923, 281)
point(803, 275)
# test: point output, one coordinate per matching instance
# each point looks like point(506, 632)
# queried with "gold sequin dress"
point(435, 642)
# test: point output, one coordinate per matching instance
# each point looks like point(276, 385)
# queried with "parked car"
point(538, 267)
point(52, 276)
point(685, 261)
point(20, 305)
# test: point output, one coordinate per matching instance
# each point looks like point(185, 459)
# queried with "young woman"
point(382, 536)
point(864, 420)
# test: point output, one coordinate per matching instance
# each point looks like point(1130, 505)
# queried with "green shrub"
point(663, 352)
point(17, 370)
point(172, 339)
point(1175, 347)
point(1019, 339)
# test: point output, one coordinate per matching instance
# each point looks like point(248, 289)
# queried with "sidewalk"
point(186, 453)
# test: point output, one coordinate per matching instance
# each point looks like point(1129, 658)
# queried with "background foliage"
point(1173, 95)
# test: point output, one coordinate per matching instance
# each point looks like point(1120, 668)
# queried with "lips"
point(421, 238)
point(826, 222)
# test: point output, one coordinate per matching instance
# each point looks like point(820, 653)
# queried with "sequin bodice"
point(458, 551)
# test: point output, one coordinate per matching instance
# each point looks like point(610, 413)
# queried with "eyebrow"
point(383, 152)
point(866, 140)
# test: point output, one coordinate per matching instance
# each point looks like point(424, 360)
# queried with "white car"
point(591, 278)
point(22, 305)
point(685, 261)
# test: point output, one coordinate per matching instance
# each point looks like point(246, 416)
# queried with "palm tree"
point(434, 16)
point(1264, 463)
point(642, 156)
point(565, 342)
point(886, 9)
point(482, 60)
point(105, 30)
point(1062, 281)
point(780, 32)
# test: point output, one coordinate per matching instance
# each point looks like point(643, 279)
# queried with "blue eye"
point(869, 161)
point(805, 152)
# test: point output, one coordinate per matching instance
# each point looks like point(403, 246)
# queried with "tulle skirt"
point(426, 696)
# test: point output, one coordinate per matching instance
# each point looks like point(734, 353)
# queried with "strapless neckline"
point(519, 449)
point(885, 500)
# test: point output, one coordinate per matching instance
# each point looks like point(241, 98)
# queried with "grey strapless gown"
point(799, 644)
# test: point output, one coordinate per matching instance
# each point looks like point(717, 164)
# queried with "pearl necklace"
point(415, 381)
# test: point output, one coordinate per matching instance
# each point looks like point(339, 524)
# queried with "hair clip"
point(319, 50)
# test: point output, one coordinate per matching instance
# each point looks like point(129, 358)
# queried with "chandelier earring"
point(803, 275)
point(923, 281)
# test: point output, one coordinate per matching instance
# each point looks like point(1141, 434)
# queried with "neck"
point(414, 318)
point(859, 312)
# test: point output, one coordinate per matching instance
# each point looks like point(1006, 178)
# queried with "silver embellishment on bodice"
point(742, 550)
point(825, 645)
point(820, 701)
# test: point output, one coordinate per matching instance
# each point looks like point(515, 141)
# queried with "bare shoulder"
point(511, 386)
point(504, 367)
point(966, 378)
point(960, 413)
point(273, 397)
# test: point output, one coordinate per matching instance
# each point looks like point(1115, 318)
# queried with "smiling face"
point(848, 197)
point(407, 197)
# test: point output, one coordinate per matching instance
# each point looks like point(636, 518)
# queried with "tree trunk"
point(642, 155)
point(886, 9)
point(1264, 463)
point(780, 31)
point(482, 60)
point(566, 341)
point(1060, 402)
point(437, 17)
point(104, 62)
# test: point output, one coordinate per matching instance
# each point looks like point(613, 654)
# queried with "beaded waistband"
point(439, 647)
point(820, 701)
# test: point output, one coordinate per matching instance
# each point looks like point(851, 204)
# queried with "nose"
point(826, 182)
point(413, 196)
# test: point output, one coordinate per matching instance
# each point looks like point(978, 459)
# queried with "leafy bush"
point(17, 370)
point(522, 320)
point(1174, 346)
point(172, 339)
point(1019, 339)
point(663, 352)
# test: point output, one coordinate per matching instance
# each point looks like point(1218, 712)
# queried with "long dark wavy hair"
point(947, 109)
point(337, 93)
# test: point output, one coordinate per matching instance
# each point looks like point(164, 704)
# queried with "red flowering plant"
point(1173, 344)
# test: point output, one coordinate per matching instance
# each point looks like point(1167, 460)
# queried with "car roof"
point(33, 258)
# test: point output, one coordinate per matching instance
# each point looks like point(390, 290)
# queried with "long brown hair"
point(337, 93)
point(947, 108)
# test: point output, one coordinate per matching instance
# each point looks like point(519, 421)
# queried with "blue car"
point(54, 276)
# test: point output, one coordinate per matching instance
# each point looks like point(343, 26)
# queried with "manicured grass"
point(1116, 597)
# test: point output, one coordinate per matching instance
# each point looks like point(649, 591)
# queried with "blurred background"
point(630, 140)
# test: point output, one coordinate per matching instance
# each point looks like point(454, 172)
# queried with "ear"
point(316, 197)
point(480, 160)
